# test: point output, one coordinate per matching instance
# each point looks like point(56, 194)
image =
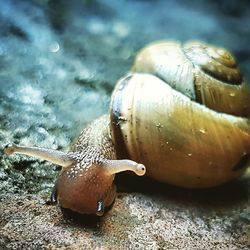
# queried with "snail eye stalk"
point(54, 156)
point(117, 166)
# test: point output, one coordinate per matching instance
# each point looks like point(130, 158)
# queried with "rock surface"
point(59, 61)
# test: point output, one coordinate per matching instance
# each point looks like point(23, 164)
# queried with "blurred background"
point(59, 61)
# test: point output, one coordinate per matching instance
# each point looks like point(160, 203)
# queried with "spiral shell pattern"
point(216, 62)
point(206, 74)
point(182, 111)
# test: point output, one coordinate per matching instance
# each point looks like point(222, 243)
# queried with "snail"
point(182, 113)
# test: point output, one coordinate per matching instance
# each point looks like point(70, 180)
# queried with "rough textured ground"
point(152, 216)
point(59, 61)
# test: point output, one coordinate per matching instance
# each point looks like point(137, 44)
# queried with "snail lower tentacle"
point(182, 112)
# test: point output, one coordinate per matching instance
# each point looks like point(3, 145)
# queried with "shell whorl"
point(216, 62)
point(206, 74)
point(181, 111)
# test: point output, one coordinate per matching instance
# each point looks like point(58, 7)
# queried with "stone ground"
point(59, 61)
point(147, 216)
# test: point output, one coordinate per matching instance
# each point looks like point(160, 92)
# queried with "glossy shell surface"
point(207, 74)
point(178, 138)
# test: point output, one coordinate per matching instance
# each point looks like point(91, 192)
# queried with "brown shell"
point(180, 142)
point(206, 74)
point(180, 114)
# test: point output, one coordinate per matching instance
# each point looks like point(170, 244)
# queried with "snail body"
point(182, 111)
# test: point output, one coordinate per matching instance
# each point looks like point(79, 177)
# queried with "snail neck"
point(95, 146)
point(96, 141)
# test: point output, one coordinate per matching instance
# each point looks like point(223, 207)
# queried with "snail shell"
point(182, 112)
point(179, 113)
point(207, 74)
